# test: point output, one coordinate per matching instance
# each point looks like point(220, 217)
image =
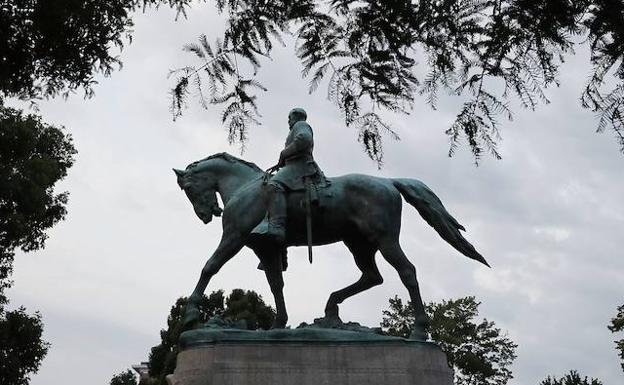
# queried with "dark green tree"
point(34, 156)
point(249, 306)
point(21, 347)
point(488, 52)
point(124, 378)
point(51, 48)
point(572, 378)
point(6, 268)
point(239, 305)
point(478, 351)
point(616, 326)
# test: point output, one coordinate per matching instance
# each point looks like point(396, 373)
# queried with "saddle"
point(312, 187)
point(316, 184)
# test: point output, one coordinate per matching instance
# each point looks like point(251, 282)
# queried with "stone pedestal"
point(224, 361)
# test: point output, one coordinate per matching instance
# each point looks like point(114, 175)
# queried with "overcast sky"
point(548, 217)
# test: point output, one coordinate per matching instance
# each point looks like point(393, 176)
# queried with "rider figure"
point(295, 163)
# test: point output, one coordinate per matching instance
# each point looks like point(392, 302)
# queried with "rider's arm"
point(302, 142)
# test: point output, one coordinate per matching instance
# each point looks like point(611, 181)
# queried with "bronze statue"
point(362, 211)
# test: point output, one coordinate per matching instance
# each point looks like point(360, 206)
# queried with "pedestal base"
point(317, 362)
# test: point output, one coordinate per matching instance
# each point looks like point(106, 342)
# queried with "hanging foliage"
point(487, 52)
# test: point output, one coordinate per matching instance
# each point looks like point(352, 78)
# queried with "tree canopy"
point(51, 48)
point(238, 306)
point(572, 378)
point(617, 326)
point(487, 52)
point(372, 55)
point(21, 345)
point(479, 352)
point(124, 378)
point(34, 156)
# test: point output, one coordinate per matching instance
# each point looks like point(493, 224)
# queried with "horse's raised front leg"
point(272, 259)
point(228, 247)
point(364, 255)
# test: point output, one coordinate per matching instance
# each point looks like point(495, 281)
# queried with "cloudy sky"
point(548, 217)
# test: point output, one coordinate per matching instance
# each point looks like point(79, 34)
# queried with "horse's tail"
point(431, 209)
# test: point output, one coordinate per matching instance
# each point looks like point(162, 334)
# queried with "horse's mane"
point(227, 157)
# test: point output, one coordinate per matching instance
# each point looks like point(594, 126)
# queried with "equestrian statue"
point(294, 204)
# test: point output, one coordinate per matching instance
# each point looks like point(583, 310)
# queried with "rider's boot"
point(273, 227)
point(277, 212)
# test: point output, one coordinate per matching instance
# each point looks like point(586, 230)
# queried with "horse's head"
point(201, 189)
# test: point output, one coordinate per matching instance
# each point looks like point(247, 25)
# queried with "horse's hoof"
point(191, 318)
point(330, 322)
point(279, 324)
point(331, 312)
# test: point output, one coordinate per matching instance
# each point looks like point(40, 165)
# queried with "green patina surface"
point(322, 331)
point(362, 211)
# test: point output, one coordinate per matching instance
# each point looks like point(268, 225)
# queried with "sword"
point(308, 204)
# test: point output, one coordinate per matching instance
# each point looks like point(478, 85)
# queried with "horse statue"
point(362, 211)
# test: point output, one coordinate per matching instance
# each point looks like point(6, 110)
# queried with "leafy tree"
point(21, 346)
point(249, 306)
point(6, 268)
point(51, 48)
point(34, 156)
point(488, 52)
point(124, 378)
point(572, 378)
point(617, 325)
point(478, 351)
point(239, 305)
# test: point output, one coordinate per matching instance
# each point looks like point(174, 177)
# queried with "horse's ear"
point(179, 173)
